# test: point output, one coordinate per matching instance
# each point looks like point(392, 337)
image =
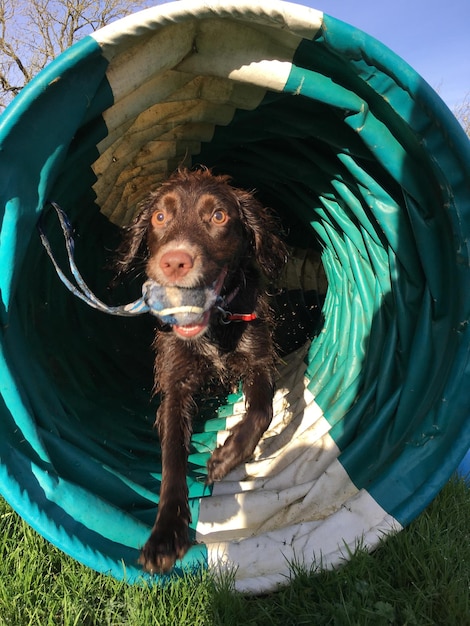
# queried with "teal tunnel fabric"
point(364, 165)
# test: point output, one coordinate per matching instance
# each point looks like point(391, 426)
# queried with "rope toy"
point(174, 306)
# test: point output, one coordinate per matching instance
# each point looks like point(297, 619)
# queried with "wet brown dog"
point(199, 231)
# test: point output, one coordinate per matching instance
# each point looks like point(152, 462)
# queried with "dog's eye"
point(158, 218)
point(219, 217)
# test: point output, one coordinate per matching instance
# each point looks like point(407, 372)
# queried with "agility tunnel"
point(370, 175)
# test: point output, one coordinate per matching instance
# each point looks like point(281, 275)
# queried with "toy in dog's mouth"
point(186, 309)
point(188, 331)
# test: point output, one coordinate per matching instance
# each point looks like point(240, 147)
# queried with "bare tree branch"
point(10, 62)
point(462, 113)
point(34, 32)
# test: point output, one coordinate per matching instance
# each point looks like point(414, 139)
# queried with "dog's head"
point(197, 229)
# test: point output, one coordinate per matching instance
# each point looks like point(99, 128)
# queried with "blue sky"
point(433, 36)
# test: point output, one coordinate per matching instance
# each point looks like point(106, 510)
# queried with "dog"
point(198, 231)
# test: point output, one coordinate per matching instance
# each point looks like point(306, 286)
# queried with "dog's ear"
point(264, 230)
point(132, 252)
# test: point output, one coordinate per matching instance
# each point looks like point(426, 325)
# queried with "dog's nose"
point(176, 263)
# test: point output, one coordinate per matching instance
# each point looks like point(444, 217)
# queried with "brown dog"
point(199, 231)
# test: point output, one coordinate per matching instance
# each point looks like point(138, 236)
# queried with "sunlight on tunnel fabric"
point(369, 173)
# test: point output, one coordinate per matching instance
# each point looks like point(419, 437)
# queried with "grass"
point(418, 577)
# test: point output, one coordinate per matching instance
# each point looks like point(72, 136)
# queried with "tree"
point(462, 113)
point(33, 32)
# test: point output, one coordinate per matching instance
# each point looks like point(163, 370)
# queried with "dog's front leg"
point(169, 539)
point(258, 387)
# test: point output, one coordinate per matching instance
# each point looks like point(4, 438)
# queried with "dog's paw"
point(238, 447)
point(164, 547)
point(224, 459)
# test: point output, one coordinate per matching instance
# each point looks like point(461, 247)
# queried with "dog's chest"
point(223, 360)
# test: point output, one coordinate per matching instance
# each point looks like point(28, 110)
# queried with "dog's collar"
point(147, 303)
point(226, 316)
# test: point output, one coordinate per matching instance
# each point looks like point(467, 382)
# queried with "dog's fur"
point(194, 231)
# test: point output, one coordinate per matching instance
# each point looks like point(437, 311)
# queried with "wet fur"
point(249, 247)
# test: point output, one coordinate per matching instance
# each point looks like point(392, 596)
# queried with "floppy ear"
point(270, 251)
point(133, 252)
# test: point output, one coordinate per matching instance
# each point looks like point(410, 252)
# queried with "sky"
point(433, 36)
